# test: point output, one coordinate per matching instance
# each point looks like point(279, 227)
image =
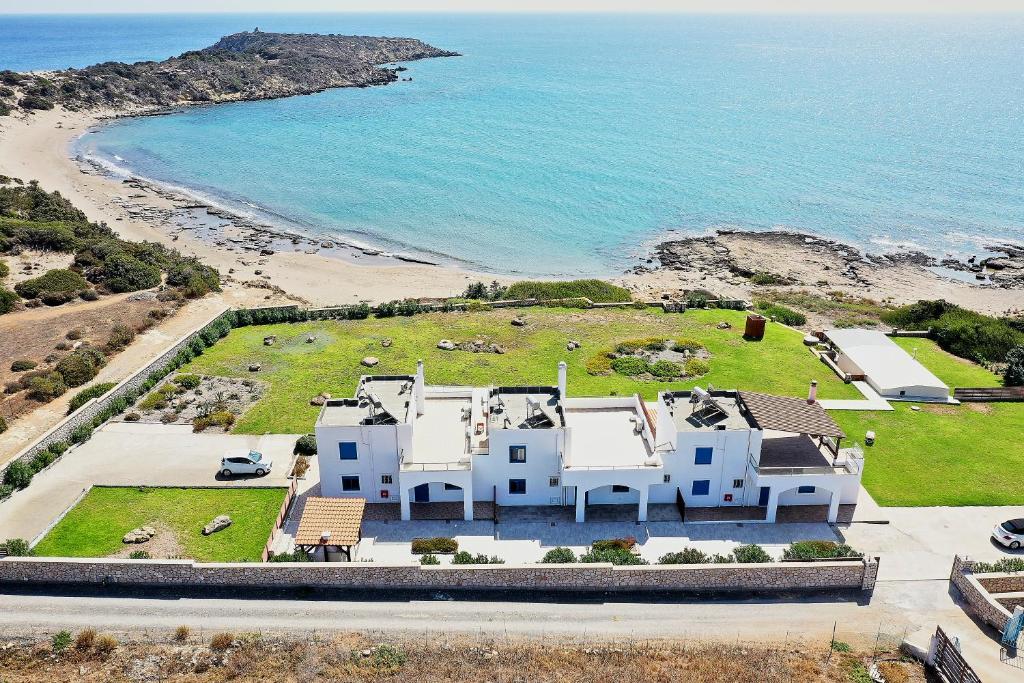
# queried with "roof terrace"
point(524, 408)
point(700, 411)
point(379, 400)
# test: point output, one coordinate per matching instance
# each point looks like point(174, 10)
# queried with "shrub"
point(625, 543)
point(841, 646)
point(305, 445)
point(429, 559)
point(188, 381)
point(597, 291)
point(105, 644)
point(138, 555)
point(18, 475)
point(85, 639)
point(80, 366)
point(7, 300)
point(124, 273)
point(296, 556)
point(194, 278)
point(559, 555)
point(630, 365)
point(221, 641)
point(120, 336)
point(17, 547)
point(685, 556)
point(56, 280)
point(219, 418)
point(1006, 565)
point(666, 369)
point(437, 544)
point(696, 367)
point(3, 424)
point(132, 417)
point(60, 641)
point(961, 332)
point(4, 270)
point(463, 557)
point(751, 554)
point(765, 278)
point(30, 102)
point(74, 335)
point(634, 345)
point(599, 364)
point(782, 314)
point(22, 365)
point(181, 633)
point(155, 401)
point(46, 387)
point(687, 344)
point(1013, 375)
point(384, 657)
point(618, 556)
point(815, 550)
point(89, 393)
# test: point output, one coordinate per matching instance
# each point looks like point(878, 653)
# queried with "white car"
point(244, 461)
point(1010, 533)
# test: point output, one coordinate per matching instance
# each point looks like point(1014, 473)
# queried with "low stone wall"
point(977, 595)
point(775, 577)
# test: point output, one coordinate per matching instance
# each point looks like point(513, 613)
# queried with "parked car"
point(244, 462)
point(1010, 533)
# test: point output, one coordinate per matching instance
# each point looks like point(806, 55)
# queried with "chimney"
point(812, 395)
point(420, 388)
point(561, 379)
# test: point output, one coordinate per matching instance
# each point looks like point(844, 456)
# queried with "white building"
point(401, 441)
point(890, 370)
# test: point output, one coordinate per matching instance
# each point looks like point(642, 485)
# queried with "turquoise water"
point(568, 144)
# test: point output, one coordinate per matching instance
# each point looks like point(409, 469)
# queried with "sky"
point(730, 6)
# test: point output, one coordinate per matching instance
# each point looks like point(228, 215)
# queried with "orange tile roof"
point(342, 517)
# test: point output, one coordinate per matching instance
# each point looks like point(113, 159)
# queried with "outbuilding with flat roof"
point(891, 371)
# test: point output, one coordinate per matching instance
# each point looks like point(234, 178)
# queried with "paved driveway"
point(125, 454)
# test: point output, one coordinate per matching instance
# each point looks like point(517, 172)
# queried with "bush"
point(124, 273)
point(961, 332)
point(132, 417)
point(22, 365)
point(56, 280)
point(138, 555)
point(86, 395)
point(305, 445)
point(597, 291)
point(625, 543)
point(429, 559)
point(817, 550)
point(782, 314)
point(685, 556)
point(751, 554)
point(181, 633)
point(5, 270)
point(634, 345)
point(630, 365)
point(617, 556)
point(17, 547)
point(687, 344)
point(188, 381)
point(463, 557)
point(297, 556)
point(437, 544)
point(695, 367)
point(3, 424)
point(1006, 565)
point(219, 418)
point(599, 364)
point(30, 102)
point(60, 641)
point(764, 278)
point(1013, 375)
point(85, 639)
point(105, 644)
point(18, 475)
point(80, 366)
point(120, 336)
point(193, 278)
point(222, 641)
point(665, 369)
point(7, 300)
point(46, 387)
point(559, 555)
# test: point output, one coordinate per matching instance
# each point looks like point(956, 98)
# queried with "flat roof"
point(509, 408)
point(394, 393)
point(604, 438)
point(879, 357)
point(439, 436)
point(690, 417)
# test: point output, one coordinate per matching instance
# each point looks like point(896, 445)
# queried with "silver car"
point(244, 461)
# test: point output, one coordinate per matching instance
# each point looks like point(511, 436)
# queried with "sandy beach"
point(36, 147)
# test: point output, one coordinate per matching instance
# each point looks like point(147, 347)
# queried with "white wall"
point(377, 449)
point(491, 472)
point(728, 462)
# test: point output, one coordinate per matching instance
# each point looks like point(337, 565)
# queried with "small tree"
point(1013, 375)
point(18, 474)
point(559, 555)
point(17, 547)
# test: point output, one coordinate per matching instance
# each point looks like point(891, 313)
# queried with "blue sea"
point(568, 145)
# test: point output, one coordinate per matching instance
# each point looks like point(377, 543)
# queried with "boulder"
point(496, 348)
point(266, 252)
point(310, 339)
point(370, 361)
point(386, 342)
point(219, 522)
point(446, 345)
point(255, 367)
point(572, 345)
point(269, 341)
point(139, 535)
point(518, 322)
point(723, 325)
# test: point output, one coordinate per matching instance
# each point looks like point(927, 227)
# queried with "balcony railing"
point(436, 466)
point(847, 465)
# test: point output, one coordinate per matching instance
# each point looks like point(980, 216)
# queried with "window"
point(350, 483)
point(701, 487)
point(737, 483)
point(452, 487)
point(517, 486)
point(386, 479)
point(347, 450)
point(703, 456)
point(667, 479)
point(553, 481)
point(517, 454)
point(618, 488)
point(805, 489)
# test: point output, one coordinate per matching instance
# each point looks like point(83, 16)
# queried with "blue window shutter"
point(701, 487)
point(703, 456)
point(347, 450)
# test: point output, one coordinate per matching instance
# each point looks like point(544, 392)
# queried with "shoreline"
point(248, 253)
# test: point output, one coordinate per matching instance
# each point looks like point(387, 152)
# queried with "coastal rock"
point(370, 361)
point(217, 524)
point(518, 322)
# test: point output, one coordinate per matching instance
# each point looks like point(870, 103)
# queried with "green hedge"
point(962, 332)
point(438, 544)
point(85, 395)
point(597, 291)
point(819, 550)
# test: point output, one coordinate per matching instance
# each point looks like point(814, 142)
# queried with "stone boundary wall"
point(706, 578)
point(976, 594)
point(87, 413)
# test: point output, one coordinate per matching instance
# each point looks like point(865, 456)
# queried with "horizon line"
point(679, 12)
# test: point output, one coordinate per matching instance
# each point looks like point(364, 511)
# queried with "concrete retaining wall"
point(976, 591)
point(791, 576)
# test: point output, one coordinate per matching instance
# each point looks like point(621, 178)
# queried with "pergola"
point(794, 415)
point(330, 523)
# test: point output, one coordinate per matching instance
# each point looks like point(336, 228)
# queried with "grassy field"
point(95, 526)
point(297, 371)
point(943, 455)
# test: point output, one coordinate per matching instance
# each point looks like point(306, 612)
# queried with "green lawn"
point(943, 455)
point(95, 526)
point(297, 371)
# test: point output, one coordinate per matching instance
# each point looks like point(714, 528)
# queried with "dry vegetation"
point(248, 657)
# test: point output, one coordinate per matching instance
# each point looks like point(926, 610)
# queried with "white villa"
point(402, 441)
